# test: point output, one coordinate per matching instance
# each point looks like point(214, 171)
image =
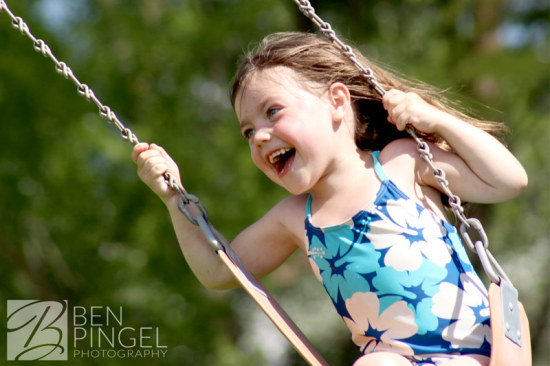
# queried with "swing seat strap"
point(511, 342)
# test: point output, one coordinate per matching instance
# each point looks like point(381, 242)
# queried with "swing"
point(509, 325)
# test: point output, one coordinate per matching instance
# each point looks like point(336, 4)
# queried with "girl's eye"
point(248, 133)
point(272, 111)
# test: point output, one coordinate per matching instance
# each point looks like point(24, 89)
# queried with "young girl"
point(365, 209)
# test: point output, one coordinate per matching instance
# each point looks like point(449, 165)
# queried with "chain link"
point(326, 29)
point(104, 111)
point(466, 224)
point(61, 67)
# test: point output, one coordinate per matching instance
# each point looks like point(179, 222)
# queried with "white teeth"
point(274, 156)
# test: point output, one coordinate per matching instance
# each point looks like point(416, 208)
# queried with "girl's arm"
point(480, 168)
point(262, 247)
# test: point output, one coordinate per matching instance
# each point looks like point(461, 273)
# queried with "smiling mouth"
point(280, 159)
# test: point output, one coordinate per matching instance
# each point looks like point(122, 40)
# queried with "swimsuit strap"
point(378, 167)
point(308, 206)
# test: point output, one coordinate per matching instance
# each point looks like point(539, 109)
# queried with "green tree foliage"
point(77, 223)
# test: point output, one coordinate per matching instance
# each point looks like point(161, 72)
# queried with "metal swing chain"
point(489, 263)
point(62, 68)
point(106, 112)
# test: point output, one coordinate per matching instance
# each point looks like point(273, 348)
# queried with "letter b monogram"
point(37, 330)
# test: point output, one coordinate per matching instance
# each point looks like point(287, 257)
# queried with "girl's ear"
point(340, 100)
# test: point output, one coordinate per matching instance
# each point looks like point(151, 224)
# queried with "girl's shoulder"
point(399, 148)
point(292, 208)
point(403, 165)
point(400, 161)
point(399, 155)
point(290, 215)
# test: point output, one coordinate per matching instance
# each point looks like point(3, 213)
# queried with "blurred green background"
point(77, 223)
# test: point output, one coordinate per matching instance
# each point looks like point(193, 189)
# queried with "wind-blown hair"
point(316, 59)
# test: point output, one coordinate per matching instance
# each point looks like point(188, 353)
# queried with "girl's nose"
point(262, 135)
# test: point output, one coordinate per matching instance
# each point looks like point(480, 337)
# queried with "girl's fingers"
point(153, 162)
point(392, 98)
point(154, 167)
point(408, 109)
point(391, 102)
point(163, 153)
point(138, 149)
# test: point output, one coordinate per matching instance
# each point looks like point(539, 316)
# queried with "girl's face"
point(290, 126)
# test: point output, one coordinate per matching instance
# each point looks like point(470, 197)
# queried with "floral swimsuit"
point(401, 280)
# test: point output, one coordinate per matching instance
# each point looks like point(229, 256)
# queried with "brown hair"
point(316, 59)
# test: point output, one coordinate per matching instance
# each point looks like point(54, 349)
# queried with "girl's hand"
point(153, 162)
point(410, 109)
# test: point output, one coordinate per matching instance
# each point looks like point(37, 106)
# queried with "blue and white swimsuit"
point(401, 280)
